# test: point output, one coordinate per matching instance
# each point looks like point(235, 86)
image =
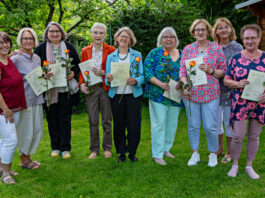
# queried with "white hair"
point(99, 25)
point(19, 37)
point(169, 30)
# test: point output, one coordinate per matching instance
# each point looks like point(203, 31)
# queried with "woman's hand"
point(84, 88)
point(8, 114)
point(131, 81)
point(262, 98)
point(109, 78)
point(48, 75)
point(70, 76)
point(186, 92)
point(98, 72)
point(242, 83)
point(15, 52)
point(164, 86)
point(178, 86)
point(203, 67)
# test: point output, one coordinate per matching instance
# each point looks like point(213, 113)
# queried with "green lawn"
point(80, 177)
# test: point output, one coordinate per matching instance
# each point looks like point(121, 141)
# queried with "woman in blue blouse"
point(162, 64)
point(126, 100)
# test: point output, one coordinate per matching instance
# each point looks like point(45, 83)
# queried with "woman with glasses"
point(161, 65)
point(12, 101)
point(224, 34)
point(60, 102)
point(30, 125)
point(126, 100)
point(246, 113)
point(202, 101)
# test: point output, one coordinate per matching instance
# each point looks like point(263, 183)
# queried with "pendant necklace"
point(125, 56)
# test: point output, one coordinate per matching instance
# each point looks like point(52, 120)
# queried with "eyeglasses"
point(27, 39)
point(200, 30)
point(54, 31)
point(168, 37)
point(98, 33)
point(222, 28)
point(250, 38)
point(124, 37)
point(4, 42)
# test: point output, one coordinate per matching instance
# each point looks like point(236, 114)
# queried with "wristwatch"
point(212, 72)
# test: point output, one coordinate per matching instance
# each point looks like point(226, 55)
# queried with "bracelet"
point(212, 72)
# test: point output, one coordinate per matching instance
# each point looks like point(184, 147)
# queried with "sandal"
point(8, 179)
point(38, 163)
point(30, 165)
point(12, 173)
point(226, 159)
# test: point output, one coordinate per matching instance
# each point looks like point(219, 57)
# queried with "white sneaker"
point(195, 158)
point(212, 160)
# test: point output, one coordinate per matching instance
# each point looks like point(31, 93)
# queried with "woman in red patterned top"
point(12, 100)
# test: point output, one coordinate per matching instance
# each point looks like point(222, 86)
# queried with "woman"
point(161, 64)
point(203, 100)
point(12, 100)
point(30, 124)
point(224, 34)
point(245, 112)
point(126, 100)
point(58, 114)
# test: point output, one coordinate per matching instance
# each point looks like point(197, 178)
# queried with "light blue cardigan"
point(137, 89)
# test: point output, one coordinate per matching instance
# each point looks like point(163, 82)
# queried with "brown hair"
point(6, 39)
point(232, 35)
point(196, 22)
point(254, 27)
point(129, 32)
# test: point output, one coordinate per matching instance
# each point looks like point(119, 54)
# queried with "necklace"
point(201, 49)
point(125, 56)
point(251, 56)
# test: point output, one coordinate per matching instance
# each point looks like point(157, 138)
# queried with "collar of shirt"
point(95, 50)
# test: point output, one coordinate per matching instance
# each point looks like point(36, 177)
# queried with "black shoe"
point(133, 158)
point(122, 158)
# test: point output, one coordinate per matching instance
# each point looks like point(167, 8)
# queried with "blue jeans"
point(164, 123)
point(208, 113)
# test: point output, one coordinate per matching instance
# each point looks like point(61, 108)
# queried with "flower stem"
point(122, 93)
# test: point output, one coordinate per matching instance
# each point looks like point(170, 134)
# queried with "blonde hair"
point(129, 32)
point(196, 22)
point(232, 35)
point(169, 30)
point(33, 33)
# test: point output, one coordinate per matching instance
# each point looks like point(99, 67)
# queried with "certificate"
point(120, 73)
point(200, 78)
point(39, 85)
point(59, 73)
point(256, 87)
point(173, 94)
point(87, 66)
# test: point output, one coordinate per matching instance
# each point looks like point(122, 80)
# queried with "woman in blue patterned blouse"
point(224, 34)
point(162, 64)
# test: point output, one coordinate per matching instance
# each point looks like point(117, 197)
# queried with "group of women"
point(225, 63)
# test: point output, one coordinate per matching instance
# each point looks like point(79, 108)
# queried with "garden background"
point(80, 177)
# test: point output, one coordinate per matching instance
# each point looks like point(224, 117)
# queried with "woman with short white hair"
point(30, 124)
point(161, 64)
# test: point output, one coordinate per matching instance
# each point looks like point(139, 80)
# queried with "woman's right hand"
point(186, 92)
point(15, 52)
point(164, 86)
point(84, 88)
point(48, 75)
point(109, 78)
point(8, 114)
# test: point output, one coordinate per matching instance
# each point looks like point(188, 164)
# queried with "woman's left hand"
point(70, 76)
point(98, 72)
point(131, 81)
point(262, 98)
point(203, 67)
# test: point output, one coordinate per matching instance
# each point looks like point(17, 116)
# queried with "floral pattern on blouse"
point(215, 58)
point(226, 92)
point(154, 66)
point(238, 69)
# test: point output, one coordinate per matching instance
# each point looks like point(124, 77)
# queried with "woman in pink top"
point(12, 100)
point(202, 100)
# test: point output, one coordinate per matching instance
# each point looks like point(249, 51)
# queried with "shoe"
point(233, 171)
point(133, 158)
point(160, 161)
point(195, 158)
point(92, 155)
point(212, 160)
point(107, 154)
point(55, 153)
point(122, 158)
point(66, 155)
point(168, 154)
point(251, 173)
point(226, 159)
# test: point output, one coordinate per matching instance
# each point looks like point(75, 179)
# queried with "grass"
point(79, 177)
